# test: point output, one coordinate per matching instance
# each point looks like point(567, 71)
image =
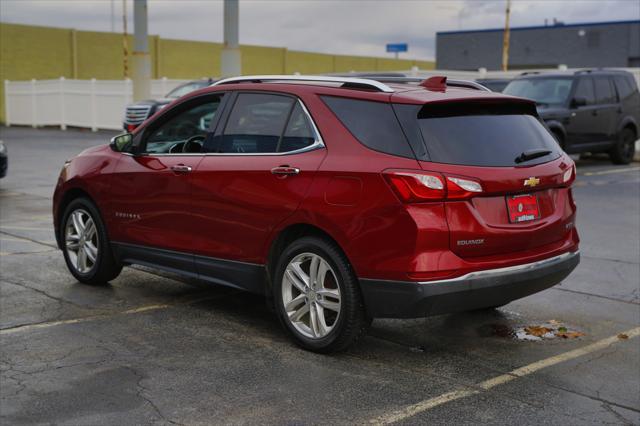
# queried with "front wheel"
point(86, 249)
point(317, 296)
point(625, 147)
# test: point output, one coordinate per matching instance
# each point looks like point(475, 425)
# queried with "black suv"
point(587, 111)
point(136, 113)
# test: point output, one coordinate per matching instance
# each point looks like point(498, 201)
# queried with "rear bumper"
point(481, 289)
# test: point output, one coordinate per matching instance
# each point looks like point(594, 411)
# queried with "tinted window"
point(169, 135)
point(256, 123)
point(551, 91)
point(298, 133)
point(185, 88)
point(374, 124)
point(604, 91)
point(624, 87)
point(584, 89)
point(486, 140)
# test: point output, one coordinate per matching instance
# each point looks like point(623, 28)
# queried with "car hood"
point(550, 112)
point(161, 101)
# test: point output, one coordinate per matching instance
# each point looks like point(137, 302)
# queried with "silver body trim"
point(489, 273)
point(374, 84)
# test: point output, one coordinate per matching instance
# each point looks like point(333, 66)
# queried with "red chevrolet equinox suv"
point(340, 199)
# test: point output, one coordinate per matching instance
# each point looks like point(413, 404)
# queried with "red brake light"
point(458, 188)
point(569, 176)
point(416, 186)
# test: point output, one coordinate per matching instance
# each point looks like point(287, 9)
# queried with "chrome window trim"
point(317, 144)
point(319, 78)
point(488, 273)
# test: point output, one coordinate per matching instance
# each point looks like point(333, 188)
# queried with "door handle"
point(181, 168)
point(285, 170)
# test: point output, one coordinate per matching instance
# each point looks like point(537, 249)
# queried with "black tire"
point(624, 149)
point(351, 323)
point(105, 268)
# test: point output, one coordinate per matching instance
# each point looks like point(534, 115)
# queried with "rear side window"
point(584, 89)
point(490, 140)
point(374, 124)
point(255, 123)
point(604, 91)
point(625, 86)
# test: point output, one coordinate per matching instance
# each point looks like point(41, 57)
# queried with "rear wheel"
point(86, 249)
point(317, 298)
point(624, 149)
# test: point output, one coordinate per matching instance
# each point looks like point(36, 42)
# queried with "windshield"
point(184, 89)
point(547, 91)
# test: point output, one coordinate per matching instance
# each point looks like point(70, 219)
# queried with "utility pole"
point(125, 46)
point(230, 60)
point(505, 41)
point(141, 59)
point(113, 15)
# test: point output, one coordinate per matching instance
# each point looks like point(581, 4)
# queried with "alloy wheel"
point(311, 295)
point(81, 241)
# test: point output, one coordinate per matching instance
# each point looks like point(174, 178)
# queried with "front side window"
point(188, 127)
point(266, 123)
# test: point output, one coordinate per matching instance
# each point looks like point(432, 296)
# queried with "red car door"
point(261, 163)
point(151, 192)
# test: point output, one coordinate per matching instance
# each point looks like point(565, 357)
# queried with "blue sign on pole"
point(397, 47)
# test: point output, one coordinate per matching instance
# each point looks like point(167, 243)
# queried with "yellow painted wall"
point(28, 52)
point(188, 59)
point(308, 63)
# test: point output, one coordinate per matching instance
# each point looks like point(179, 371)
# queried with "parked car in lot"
point(494, 84)
point(4, 160)
point(587, 111)
point(137, 112)
point(339, 199)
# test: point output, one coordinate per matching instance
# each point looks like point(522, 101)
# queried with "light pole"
point(505, 40)
point(141, 63)
point(230, 59)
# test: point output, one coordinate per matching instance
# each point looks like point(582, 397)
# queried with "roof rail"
point(452, 83)
point(365, 83)
point(376, 83)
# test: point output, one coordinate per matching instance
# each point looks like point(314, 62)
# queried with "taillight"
point(458, 188)
point(569, 176)
point(417, 187)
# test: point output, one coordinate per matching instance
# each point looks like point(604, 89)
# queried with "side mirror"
point(121, 142)
point(578, 102)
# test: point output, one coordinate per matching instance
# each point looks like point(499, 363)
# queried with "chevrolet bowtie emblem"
point(532, 181)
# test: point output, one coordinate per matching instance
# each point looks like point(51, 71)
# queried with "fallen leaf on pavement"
point(623, 336)
point(537, 331)
point(569, 334)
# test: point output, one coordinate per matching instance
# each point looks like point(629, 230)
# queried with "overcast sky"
point(358, 27)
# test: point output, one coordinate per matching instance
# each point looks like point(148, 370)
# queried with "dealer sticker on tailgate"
point(522, 208)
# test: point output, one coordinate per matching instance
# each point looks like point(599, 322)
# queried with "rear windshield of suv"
point(486, 138)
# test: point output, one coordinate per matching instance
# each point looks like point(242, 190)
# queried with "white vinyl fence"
point(100, 104)
point(94, 104)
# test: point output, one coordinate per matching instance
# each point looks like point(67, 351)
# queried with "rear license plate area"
point(523, 208)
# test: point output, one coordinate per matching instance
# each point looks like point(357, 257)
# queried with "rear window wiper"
point(531, 154)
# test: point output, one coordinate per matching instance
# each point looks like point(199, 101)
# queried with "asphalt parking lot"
point(157, 349)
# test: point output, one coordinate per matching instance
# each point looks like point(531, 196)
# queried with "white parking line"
point(608, 172)
point(412, 410)
point(20, 328)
